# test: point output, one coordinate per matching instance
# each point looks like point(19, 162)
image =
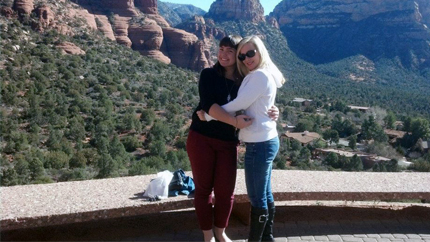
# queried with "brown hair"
point(233, 42)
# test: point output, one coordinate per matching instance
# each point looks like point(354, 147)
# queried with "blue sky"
point(268, 5)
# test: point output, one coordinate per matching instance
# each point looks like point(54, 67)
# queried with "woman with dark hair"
point(212, 146)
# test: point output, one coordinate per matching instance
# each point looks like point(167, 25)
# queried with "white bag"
point(159, 187)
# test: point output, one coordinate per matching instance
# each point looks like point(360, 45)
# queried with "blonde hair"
point(265, 60)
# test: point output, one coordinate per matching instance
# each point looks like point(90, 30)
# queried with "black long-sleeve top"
point(214, 88)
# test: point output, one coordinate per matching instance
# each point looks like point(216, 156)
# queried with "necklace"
point(229, 92)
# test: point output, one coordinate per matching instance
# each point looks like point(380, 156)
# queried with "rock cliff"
point(46, 18)
point(147, 6)
point(133, 23)
point(189, 53)
point(329, 30)
point(247, 10)
point(137, 24)
point(307, 13)
point(23, 6)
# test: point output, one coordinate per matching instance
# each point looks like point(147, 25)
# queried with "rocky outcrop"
point(23, 6)
point(89, 19)
point(272, 22)
point(104, 26)
point(203, 28)
point(147, 6)
point(121, 7)
point(7, 12)
point(147, 40)
point(70, 48)
point(46, 18)
point(248, 10)
point(184, 49)
point(121, 30)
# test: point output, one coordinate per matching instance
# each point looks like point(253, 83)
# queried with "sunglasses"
point(249, 53)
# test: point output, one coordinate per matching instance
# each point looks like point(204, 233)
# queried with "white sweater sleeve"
point(252, 87)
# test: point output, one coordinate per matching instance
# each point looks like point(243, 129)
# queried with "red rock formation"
point(147, 40)
point(184, 49)
point(7, 12)
point(70, 48)
point(121, 7)
point(105, 27)
point(121, 30)
point(46, 18)
point(23, 6)
point(90, 19)
point(203, 28)
point(158, 19)
point(147, 6)
point(248, 10)
point(150, 34)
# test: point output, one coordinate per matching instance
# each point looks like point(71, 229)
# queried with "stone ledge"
point(81, 201)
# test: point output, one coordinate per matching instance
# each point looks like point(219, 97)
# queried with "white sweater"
point(256, 95)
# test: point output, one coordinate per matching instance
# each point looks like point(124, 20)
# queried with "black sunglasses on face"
point(249, 53)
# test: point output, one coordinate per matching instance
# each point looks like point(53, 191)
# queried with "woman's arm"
point(251, 89)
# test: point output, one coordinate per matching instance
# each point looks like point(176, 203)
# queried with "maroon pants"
point(213, 163)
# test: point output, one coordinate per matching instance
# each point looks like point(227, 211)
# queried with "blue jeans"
point(258, 171)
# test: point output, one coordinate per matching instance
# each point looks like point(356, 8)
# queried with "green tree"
point(107, 166)
point(55, 135)
point(158, 148)
point(130, 121)
point(353, 142)
point(22, 169)
point(9, 177)
point(147, 117)
point(420, 129)
point(331, 135)
point(389, 120)
point(392, 165)
point(36, 169)
point(332, 160)
point(56, 160)
point(372, 130)
point(304, 125)
point(118, 152)
point(76, 129)
point(159, 131)
point(356, 163)
point(305, 155)
point(131, 143)
point(78, 160)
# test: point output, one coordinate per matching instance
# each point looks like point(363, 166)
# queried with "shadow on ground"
point(289, 221)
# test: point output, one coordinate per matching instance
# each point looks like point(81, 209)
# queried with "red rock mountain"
point(133, 23)
point(248, 10)
point(329, 30)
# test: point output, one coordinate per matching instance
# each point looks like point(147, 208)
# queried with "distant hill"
point(176, 13)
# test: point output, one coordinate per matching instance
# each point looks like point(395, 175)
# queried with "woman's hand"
point(273, 113)
point(243, 121)
point(201, 115)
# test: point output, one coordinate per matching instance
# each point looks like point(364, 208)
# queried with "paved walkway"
point(314, 221)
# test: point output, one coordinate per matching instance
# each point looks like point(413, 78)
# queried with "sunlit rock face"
point(373, 28)
point(247, 10)
point(23, 6)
